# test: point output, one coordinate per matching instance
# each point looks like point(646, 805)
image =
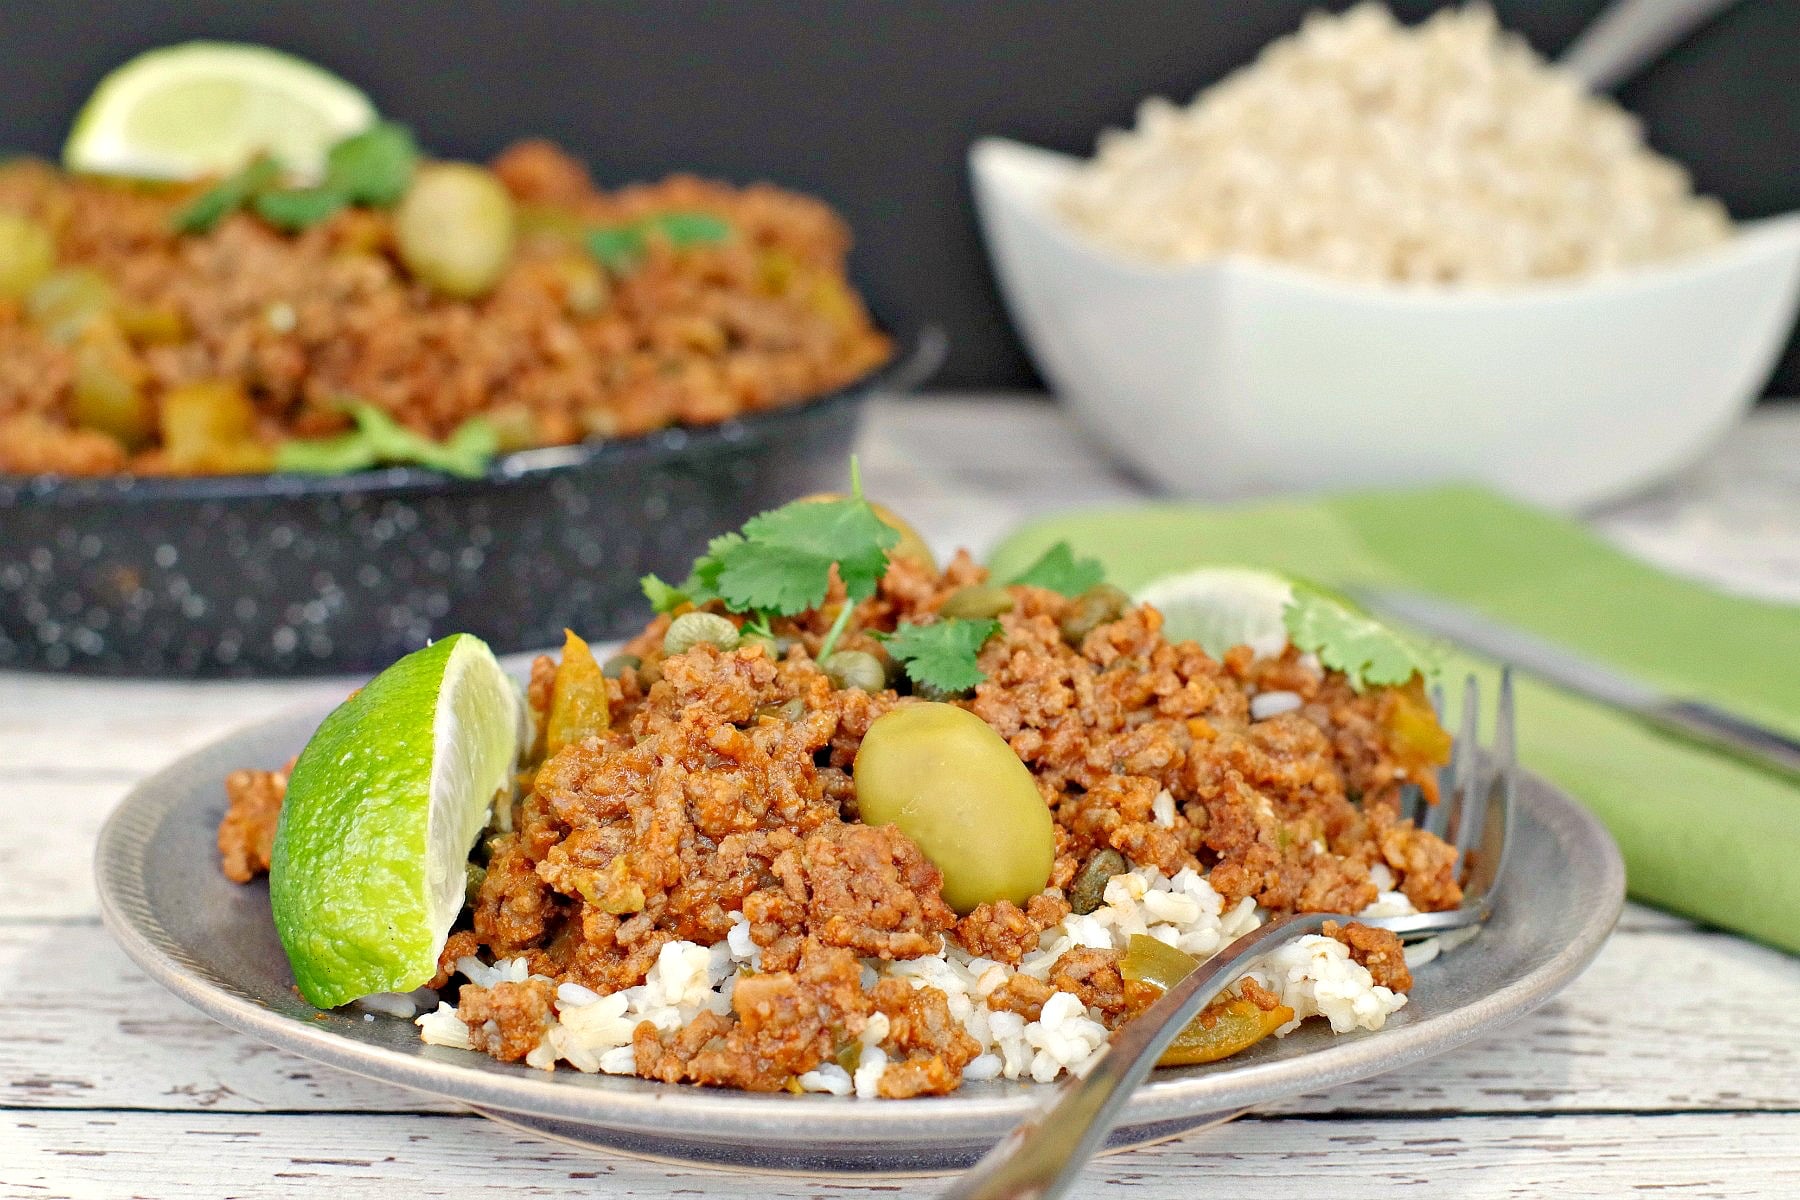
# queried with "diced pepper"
point(1235, 1024)
point(1226, 1026)
point(578, 704)
point(109, 388)
point(210, 428)
point(1417, 738)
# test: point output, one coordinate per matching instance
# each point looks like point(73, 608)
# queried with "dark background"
point(867, 103)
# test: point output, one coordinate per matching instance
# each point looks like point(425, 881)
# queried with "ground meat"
point(1377, 949)
point(247, 832)
point(865, 888)
point(31, 444)
point(560, 349)
point(461, 944)
point(788, 1022)
point(1092, 976)
point(1257, 994)
point(725, 786)
point(1021, 994)
point(1004, 932)
point(507, 1020)
point(928, 1047)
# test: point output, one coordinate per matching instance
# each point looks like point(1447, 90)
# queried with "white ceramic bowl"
point(1238, 377)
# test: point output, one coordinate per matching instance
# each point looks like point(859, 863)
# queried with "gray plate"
point(213, 944)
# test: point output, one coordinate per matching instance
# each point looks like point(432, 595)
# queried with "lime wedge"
point(207, 108)
point(1222, 607)
point(386, 800)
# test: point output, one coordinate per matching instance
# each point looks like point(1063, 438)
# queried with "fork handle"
point(1725, 731)
point(1042, 1157)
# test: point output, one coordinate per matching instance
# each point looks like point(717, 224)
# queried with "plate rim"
point(723, 1115)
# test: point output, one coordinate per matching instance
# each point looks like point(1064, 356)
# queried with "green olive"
point(1093, 608)
point(27, 254)
point(854, 669)
point(956, 789)
point(690, 629)
point(66, 302)
point(1088, 892)
point(977, 601)
point(454, 228)
point(618, 664)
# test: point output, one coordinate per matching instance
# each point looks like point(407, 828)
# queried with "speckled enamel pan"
point(213, 944)
point(280, 575)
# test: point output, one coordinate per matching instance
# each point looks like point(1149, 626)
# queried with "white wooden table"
point(1673, 1064)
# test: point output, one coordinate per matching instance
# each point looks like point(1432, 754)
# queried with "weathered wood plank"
point(1663, 1020)
point(99, 1156)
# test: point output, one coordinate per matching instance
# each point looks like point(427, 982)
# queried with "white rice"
point(1315, 976)
point(1359, 148)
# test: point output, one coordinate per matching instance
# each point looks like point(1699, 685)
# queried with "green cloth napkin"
point(1701, 833)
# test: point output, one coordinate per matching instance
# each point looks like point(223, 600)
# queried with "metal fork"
point(1041, 1158)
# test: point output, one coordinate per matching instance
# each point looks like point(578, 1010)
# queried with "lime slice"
point(1222, 607)
point(386, 800)
point(207, 108)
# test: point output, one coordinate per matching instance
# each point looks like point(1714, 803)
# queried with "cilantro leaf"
point(683, 229)
point(374, 167)
point(298, 208)
point(227, 195)
point(620, 248)
point(1348, 639)
point(782, 563)
point(338, 455)
point(663, 598)
point(1060, 571)
point(378, 438)
point(941, 655)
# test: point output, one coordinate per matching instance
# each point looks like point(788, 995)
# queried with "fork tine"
point(1506, 751)
point(1497, 802)
point(1463, 759)
point(1471, 800)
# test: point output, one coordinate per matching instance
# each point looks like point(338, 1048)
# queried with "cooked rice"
point(1363, 149)
point(1313, 975)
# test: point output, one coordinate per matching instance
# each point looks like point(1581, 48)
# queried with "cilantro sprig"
point(941, 656)
point(1347, 639)
point(620, 248)
point(1059, 570)
point(380, 440)
point(781, 563)
point(372, 168)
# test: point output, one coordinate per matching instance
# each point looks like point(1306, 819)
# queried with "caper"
point(977, 601)
point(691, 629)
point(454, 228)
point(618, 664)
point(473, 878)
point(1093, 608)
point(27, 254)
point(854, 669)
point(788, 710)
point(951, 784)
point(1088, 892)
